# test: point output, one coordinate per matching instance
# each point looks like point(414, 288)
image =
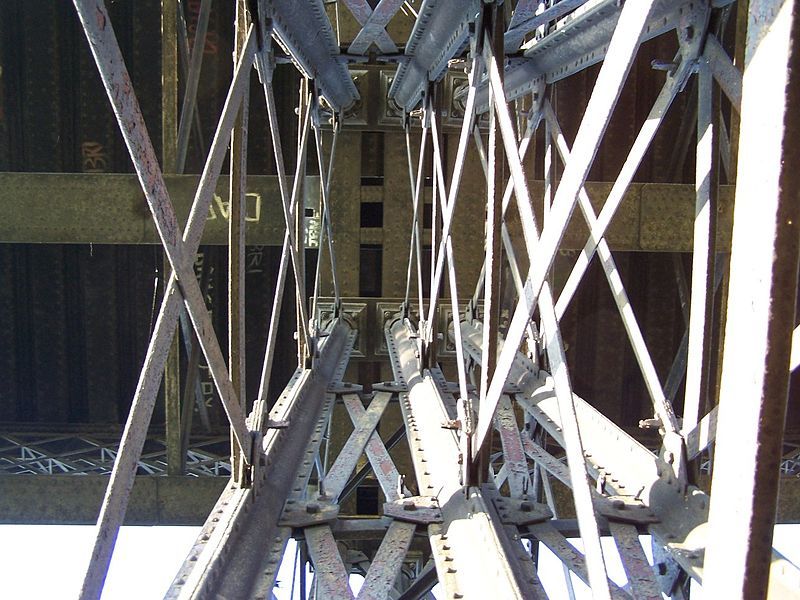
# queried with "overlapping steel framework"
point(482, 468)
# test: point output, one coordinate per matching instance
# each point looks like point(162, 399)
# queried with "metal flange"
point(345, 387)
point(516, 511)
point(393, 387)
point(306, 514)
point(423, 510)
point(624, 509)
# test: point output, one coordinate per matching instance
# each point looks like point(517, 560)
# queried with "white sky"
point(38, 561)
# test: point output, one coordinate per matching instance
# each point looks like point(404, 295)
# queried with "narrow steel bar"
point(193, 394)
point(451, 261)
point(387, 562)
point(337, 294)
point(326, 227)
point(377, 453)
point(705, 232)
point(345, 463)
point(724, 71)
point(183, 48)
point(678, 368)
point(414, 249)
point(613, 73)
point(236, 235)
point(640, 574)
point(260, 406)
point(288, 204)
point(373, 29)
point(513, 453)
point(304, 109)
point(760, 310)
point(189, 105)
point(169, 108)
point(492, 46)
point(569, 555)
point(169, 83)
point(703, 434)
point(418, 225)
point(363, 13)
point(671, 87)
point(661, 404)
point(330, 574)
point(116, 498)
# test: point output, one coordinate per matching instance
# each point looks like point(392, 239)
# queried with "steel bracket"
point(345, 387)
point(423, 510)
point(515, 511)
point(306, 514)
point(392, 387)
point(624, 509)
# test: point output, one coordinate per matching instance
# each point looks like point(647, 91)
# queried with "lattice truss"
point(483, 468)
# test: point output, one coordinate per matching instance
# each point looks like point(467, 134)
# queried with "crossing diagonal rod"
point(451, 262)
point(584, 509)
point(701, 308)
point(613, 73)
point(112, 511)
point(287, 200)
point(326, 228)
point(671, 87)
point(416, 234)
point(188, 108)
point(116, 80)
point(373, 29)
point(455, 181)
point(660, 402)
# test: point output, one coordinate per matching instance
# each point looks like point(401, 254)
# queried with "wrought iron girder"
point(626, 468)
point(439, 34)
point(242, 538)
point(471, 542)
point(582, 41)
point(305, 32)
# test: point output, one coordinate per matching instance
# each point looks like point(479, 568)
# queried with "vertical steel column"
point(761, 309)
point(169, 119)
point(236, 235)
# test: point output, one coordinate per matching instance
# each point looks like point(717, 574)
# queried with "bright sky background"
point(38, 561)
